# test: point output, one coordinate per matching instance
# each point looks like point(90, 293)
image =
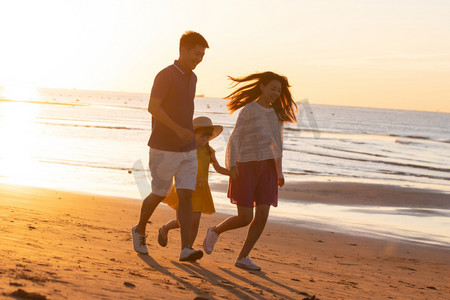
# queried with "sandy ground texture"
point(63, 245)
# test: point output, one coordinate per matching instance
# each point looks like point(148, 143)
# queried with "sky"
point(384, 54)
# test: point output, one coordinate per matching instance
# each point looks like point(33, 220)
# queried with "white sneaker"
point(246, 263)
point(189, 254)
point(210, 240)
point(139, 241)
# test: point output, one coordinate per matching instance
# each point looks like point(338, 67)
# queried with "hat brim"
point(217, 129)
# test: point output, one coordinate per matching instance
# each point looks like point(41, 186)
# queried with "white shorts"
point(165, 165)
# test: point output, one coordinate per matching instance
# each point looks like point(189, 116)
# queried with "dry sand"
point(58, 245)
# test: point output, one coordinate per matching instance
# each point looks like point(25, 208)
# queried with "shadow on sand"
point(156, 266)
point(242, 287)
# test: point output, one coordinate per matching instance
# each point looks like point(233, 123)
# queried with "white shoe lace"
point(142, 240)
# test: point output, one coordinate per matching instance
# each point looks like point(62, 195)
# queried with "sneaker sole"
point(245, 267)
point(193, 257)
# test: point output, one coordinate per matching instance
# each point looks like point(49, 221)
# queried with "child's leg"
point(244, 217)
point(194, 229)
point(255, 229)
point(164, 231)
point(172, 224)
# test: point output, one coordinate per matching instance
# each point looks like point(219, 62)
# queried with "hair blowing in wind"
point(285, 107)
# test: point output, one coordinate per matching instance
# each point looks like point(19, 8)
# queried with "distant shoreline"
point(111, 92)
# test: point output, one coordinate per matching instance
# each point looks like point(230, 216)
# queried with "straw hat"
point(200, 122)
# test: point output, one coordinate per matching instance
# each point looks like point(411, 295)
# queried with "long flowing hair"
point(284, 107)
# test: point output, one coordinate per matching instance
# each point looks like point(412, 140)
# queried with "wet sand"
point(59, 245)
point(339, 193)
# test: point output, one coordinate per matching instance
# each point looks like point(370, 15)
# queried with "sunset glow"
point(19, 132)
point(373, 54)
point(18, 93)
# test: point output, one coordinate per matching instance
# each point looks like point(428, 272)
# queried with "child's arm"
point(217, 166)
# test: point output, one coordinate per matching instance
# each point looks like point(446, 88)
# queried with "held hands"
point(234, 173)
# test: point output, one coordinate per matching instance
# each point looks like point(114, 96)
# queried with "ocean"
point(96, 142)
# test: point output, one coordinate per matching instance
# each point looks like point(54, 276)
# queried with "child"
point(202, 201)
point(254, 155)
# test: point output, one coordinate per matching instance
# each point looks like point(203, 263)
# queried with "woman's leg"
point(194, 229)
point(255, 229)
point(244, 217)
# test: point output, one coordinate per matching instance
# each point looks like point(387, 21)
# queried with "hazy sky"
point(393, 54)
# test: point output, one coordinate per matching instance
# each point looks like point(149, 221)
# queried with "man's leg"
point(138, 231)
point(194, 228)
point(148, 207)
point(184, 215)
point(185, 181)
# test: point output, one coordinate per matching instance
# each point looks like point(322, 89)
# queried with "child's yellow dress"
point(201, 198)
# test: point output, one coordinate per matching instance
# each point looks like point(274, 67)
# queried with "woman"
point(254, 156)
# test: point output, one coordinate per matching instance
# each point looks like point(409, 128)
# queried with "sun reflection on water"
point(19, 137)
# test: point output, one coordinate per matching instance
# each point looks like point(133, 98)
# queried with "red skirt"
point(257, 183)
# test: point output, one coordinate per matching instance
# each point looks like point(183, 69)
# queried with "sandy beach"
point(65, 245)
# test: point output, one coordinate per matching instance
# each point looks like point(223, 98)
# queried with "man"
point(172, 143)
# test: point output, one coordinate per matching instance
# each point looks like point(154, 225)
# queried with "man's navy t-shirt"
point(175, 87)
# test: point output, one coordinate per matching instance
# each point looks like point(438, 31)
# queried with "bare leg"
point(184, 214)
point(244, 217)
point(194, 228)
point(172, 224)
point(255, 229)
point(148, 207)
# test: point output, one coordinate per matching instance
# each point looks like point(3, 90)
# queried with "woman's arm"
point(279, 167)
point(279, 160)
point(234, 142)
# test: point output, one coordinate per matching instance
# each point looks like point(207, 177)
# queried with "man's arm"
point(154, 107)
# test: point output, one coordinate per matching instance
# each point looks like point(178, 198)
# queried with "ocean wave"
point(398, 164)
point(352, 135)
point(400, 173)
point(406, 212)
point(352, 151)
point(401, 139)
point(404, 142)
